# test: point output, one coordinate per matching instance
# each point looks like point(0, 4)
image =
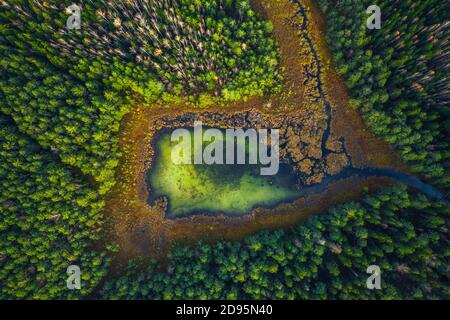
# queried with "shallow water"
point(237, 189)
point(230, 189)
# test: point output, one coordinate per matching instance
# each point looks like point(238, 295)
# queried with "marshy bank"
point(310, 125)
point(236, 189)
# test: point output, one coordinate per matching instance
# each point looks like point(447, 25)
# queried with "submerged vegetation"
point(233, 189)
point(63, 94)
point(406, 235)
point(68, 94)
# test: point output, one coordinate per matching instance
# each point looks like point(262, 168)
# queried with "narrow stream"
point(395, 175)
point(235, 190)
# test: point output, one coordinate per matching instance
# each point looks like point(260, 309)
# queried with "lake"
point(232, 189)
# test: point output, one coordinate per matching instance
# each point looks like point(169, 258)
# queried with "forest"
point(406, 235)
point(62, 97)
point(63, 94)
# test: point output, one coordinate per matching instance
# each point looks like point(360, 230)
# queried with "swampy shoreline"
point(237, 189)
point(333, 150)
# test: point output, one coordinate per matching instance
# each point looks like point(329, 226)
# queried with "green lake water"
point(232, 189)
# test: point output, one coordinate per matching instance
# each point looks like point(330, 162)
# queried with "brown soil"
point(142, 231)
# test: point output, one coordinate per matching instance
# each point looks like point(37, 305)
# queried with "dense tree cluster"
point(68, 89)
point(202, 46)
point(49, 219)
point(398, 75)
point(405, 235)
point(63, 94)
